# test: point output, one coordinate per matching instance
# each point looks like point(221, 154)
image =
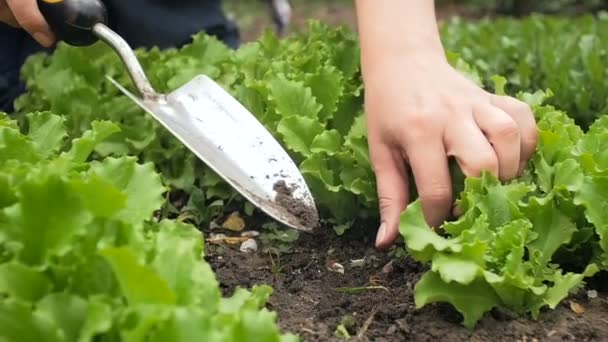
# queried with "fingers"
point(509, 127)
point(6, 16)
point(523, 116)
point(391, 179)
point(429, 164)
point(504, 134)
point(28, 16)
point(471, 148)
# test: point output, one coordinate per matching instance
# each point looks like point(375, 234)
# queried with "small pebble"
point(218, 236)
point(577, 308)
point(403, 325)
point(335, 267)
point(592, 294)
point(234, 222)
point(250, 233)
point(388, 268)
point(249, 245)
point(391, 330)
point(357, 262)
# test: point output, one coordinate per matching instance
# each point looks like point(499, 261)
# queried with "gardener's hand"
point(420, 111)
point(25, 14)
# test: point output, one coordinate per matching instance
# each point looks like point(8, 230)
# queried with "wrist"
point(401, 64)
point(398, 32)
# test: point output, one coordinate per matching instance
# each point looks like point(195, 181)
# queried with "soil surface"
point(306, 295)
point(309, 304)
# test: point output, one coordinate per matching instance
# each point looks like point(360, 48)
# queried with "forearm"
point(397, 29)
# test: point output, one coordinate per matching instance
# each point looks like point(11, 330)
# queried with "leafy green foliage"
point(306, 89)
point(525, 7)
point(524, 245)
point(540, 52)
point(82, 258)
point(513, 243)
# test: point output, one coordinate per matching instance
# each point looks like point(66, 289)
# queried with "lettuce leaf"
point(507, 246)
point(83, 257)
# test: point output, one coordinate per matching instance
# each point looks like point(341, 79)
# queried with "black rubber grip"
point(72, 21)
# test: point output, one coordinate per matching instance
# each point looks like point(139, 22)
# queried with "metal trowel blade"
point(232, 142)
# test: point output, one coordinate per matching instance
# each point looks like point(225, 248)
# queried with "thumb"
point(28, 16)
point(391, 179)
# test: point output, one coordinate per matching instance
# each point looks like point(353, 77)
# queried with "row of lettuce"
point(306, 89)
point(564, 54)
point(82, 257)
point(523, 245)
point(528, 244)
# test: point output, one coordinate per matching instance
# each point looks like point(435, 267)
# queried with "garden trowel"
point(204, 117)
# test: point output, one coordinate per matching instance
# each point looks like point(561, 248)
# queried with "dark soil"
point(306, 214)
point(309, 305)
point(305, 289)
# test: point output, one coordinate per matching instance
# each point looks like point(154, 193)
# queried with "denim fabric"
point(142, 23)
point(167, 23)
point(15, 47)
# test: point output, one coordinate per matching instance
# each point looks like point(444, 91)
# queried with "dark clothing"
point(169, 23)
point(142, 23)
point(15, 46)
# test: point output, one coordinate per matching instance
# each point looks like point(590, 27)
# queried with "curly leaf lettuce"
point(82, 257)
point(507, 247)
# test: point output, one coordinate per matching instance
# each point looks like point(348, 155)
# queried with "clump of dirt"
point(310, 299)
point(306, 214)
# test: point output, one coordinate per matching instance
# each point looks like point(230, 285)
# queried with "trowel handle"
point(72, 21)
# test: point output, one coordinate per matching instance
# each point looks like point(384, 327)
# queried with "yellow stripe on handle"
point(52, 1)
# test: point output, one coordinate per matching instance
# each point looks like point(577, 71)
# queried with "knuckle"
point(507, 130)
point(436, 194)
point(419, 124)
point(452, 104)
point(521, 107)
point(513, 105)
point(390, 205)
point(385, 202)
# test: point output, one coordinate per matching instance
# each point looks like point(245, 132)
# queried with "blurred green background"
point(253, 16)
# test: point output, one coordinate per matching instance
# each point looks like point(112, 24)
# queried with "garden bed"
point(308, 303)
point(525, 245)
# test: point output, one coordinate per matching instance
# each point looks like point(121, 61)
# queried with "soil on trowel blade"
point(306, 214)
point(309, 303)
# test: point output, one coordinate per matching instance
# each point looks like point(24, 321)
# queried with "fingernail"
point(381, 233)
point(43, 38)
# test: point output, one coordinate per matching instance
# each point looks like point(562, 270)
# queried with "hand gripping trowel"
point(204, 117)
